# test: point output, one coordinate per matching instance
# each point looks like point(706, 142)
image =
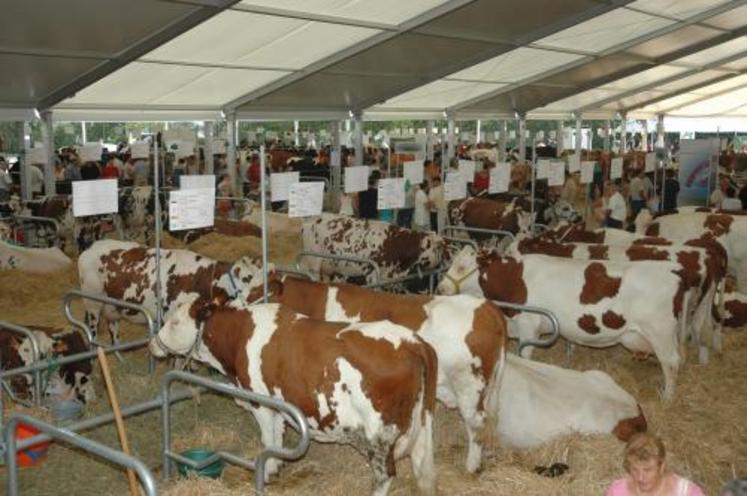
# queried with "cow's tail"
point(422, 452)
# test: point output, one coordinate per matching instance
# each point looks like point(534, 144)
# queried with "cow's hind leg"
point(381, 460)
point(267, 420)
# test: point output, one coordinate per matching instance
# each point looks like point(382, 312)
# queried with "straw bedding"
point(703, 427)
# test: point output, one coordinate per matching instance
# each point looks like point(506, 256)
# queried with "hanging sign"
point(650, 161)
point(305, 199)
point(455, 187)
point(391, 193)
point(280, 184)
point(556, 176)
point(587, 172)
point(616, 168)
point(95, 197)
point(197, 181)
point(356, 178)
point(36, 155)
point(413, 171)
point(574, 163)
point(467, 170)
point(500, 178)
point(140, 149)
point(543, 169)
point(90, 152)
point(219, 147)
point(191, 209)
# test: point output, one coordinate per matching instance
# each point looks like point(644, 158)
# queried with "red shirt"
point(110, 172)
point(481, 181)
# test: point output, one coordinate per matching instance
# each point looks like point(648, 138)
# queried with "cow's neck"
point(224, 338)
point(305, 297)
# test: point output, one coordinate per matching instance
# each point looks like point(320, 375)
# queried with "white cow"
point(40, 260)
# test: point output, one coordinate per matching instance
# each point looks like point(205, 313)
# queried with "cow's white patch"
point(263, 317)
point(334, 311)
point(323, 406)
point(392, 333)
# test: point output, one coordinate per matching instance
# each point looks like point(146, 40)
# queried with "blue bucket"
point(63, 411)
point(214, 470)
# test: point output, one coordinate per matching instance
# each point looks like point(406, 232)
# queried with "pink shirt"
point(684, 488)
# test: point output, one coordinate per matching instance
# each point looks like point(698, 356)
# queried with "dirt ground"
point(703, 427)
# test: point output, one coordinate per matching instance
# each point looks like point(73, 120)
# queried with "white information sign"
point(280, 184)
point(552, 134)
point(616, 169)
point(356, 178)
point(455, 187)
point(414, 171)
point(467, 170)
point(334, 158)
point(191, 209)
point(650, 161)
point(95, 197)
point(587, 172)
point(197, 181)
point(251, 137)
point(305, 199)
point(90, 152)
point(140, 149)
point(500, 178)
point(543, 169)
point(36, 155)
point(512, 134)
point(574, 163)
point(556, 175)
point(391, 193)
point(219, 147)
point(181, 149)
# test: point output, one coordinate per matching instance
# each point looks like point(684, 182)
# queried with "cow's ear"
point(205, 312)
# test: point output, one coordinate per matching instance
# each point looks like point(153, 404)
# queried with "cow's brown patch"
point(718, 224)
point(201, 281)
point(702, 209)
point(598, 284)
point(738, 313)
point(641, 252)
point(486, 341)
point(501, 278)
point(575, 234)
point(598, 251)
point(400, 249)
point(653, 229)
point(588, 323)
point(651, 240)
point(612, 320)
point(543, 247)
point(629, 426)
point(689, 278)
point(486, 214)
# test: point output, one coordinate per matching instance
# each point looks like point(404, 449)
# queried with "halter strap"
point(458, 282)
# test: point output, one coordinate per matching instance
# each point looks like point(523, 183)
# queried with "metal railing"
point(294, 272)
point(461, 241)
point(291, 413)
point(76, 293)
point(554, 324)
point(498, 233)
point(24, 220)
point(35, 353)
point(430, 274)
point(147, 481)
point(340, 258)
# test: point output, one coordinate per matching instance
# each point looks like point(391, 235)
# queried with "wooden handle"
point(134, 487)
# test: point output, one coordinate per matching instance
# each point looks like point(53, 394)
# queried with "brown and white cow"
point(597, 303)
point(134, 221)
point(126, 271)
point(71, 381)
point(396, 251)
point(468, 334)
point(486, 214)
point(370, 385)
point(735, 309)
point(39, 260)
point(728, 229)
point(537, 402)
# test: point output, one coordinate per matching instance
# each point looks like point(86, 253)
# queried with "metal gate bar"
point(554, 323)
point(480, 230)
point(28, 334)
point(342, 258)
point(24, 220)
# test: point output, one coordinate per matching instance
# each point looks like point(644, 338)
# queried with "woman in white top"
point(618, 210)
point(421, 217)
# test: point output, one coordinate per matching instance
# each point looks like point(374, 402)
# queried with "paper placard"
point(500, 178)
point(181, 149)
point(650, 161)
point(391, 193)
point(305, 199)
point(455, 187)
point(191, 208)
point(251, 137)
point(413, 171)
point(95, 197)
point(280, 184)
point(219, 147)
point(512, 134)
point(197, 181)
point(356, 178)
point(552, 134)
point(68, 129)
point(587, 172)
point(90, 152)
point(540, 135)
point(36, 155)
point(140, 149)
point(543, 169)
point(616, 168)
point(574, 163)
point(556, 173)
point(467, 170)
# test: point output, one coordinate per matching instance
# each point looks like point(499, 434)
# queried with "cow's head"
point(524, 221)
point(462, 276)
point(76, 375)
point(181, 328)
point(562, 210)
point(244, 279)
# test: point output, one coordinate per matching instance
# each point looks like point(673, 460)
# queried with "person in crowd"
point(347, 201)
point(481, 180)
point(225, 189)
point(59, 171)
point(180, 168)
point(671, 188)
point(90, 170)
point(111, 169)
point(140, 172)
point(570, 188)
point(367, 200)
point(718, 194)
point(421, 216)
point(6, 183)
point(436, 204)
point(128, 172)
point(192, 165)
point(648, 475)
point(731, 202)
point(639, 192)
point(37, 180)
point(615, 206)
point(72, 170)
point(404, 215)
